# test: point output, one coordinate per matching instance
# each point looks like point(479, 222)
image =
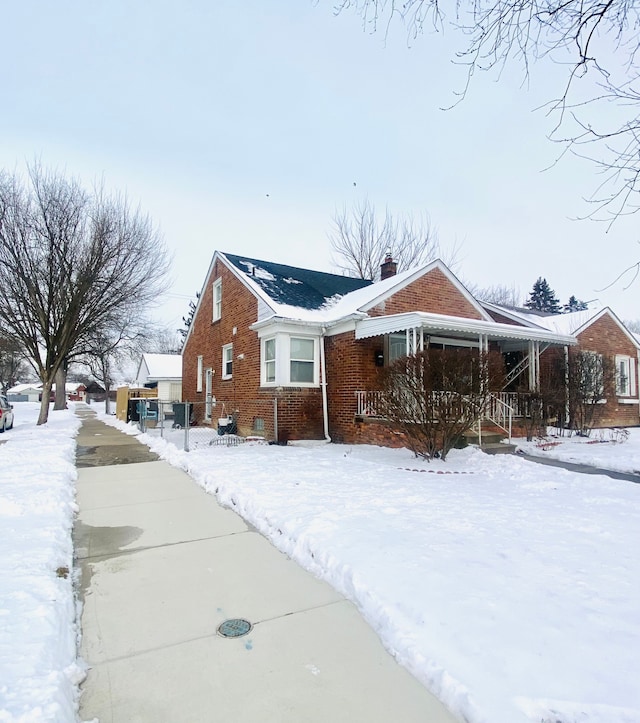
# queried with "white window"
point(199, 375)
point(302, 361)
point(269, 357)
point(227, 361)
point(289, 361)
point(217, 299)
point(397, 346)
point(625, 376)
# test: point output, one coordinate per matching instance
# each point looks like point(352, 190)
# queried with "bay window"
point(302, 361)
point(288, 360)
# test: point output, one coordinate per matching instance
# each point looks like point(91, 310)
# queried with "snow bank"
point(39, 676)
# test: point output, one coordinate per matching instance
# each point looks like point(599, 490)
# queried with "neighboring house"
point(24, 393)
point(297, 354)
point(74, 391)
point(163, 371)
point(602, 333)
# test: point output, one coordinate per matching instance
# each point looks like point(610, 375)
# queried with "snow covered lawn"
point(599, 450)
point(509, 588)
point(38, 670)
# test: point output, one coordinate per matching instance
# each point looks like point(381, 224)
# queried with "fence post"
point(186, 426)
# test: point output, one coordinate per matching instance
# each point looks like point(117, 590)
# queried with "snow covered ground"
point(509, 588)
point(603, 449)
point(38, 670)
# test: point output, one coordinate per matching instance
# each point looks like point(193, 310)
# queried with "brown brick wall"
point(607, 338)
point(500, 319)
point(350, 367)
point(433, 293)
point(299, 410)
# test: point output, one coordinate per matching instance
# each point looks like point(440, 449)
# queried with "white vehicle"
point(6, 414)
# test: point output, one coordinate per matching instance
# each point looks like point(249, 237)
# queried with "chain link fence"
point(192, 425)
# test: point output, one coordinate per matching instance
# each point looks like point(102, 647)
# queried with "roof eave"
point(377, 326)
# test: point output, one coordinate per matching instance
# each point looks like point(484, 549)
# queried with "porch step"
point(492, 437)
point(498, 448)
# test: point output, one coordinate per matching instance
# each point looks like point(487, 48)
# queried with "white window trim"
point(217, 299)
point(263, 361)
point(630, 369)
point(225, 349)
point(199, 374)
point(283, 360)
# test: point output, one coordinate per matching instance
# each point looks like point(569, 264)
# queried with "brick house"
point(602, 333)
point(296, 354)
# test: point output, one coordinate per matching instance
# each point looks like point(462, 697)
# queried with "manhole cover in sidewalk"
point(234, 628)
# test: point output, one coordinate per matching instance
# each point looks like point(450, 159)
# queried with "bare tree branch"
point(596, 40)
point(361, 239)
point(72, 264)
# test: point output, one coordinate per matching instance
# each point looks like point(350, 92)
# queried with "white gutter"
point(323, 386)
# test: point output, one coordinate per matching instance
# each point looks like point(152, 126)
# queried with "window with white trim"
point(217, 299)
point(625, 376)
point(289, 361)
point(397, 346)
point(227, 361)
point(269, 356)
point(199, 374)
point(302, 362)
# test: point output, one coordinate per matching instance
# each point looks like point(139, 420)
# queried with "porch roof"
point(468, 328)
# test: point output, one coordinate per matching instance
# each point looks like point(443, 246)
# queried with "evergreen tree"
point(574, 305)
point(543, 298)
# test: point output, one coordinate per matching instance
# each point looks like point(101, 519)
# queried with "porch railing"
point(501, 409)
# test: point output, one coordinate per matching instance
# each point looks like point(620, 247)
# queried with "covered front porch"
point(520, 347)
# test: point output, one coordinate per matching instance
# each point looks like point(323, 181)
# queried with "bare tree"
point(116, 343)
point(437, 395)
point(361, 239)
point(70, 261)
point(591, 378)
point(12, 363)
point(500, 294)
point(595, 44)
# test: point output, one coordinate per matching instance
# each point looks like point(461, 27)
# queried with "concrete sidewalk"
point(163, 566)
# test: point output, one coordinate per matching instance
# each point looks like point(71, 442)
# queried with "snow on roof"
point(293, 287)
point(564, 324)
point(164, 366)
point(18, 388)
point(341, 306)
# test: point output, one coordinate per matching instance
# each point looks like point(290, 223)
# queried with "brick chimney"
point(388, 268)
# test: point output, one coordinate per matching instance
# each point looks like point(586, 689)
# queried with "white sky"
point(200, 111)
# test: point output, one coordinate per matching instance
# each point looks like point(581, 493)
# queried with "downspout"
point(567, 405)
point(323, 386)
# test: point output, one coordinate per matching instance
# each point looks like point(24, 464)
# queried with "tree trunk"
point(44, 404)
point(107, 401)
point(61, 388)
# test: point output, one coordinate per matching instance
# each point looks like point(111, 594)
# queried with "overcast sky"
point(243, 126)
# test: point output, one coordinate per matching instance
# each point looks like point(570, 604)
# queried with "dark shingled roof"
point(293, 286)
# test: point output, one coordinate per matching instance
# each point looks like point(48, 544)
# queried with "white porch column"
point(534, 366)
